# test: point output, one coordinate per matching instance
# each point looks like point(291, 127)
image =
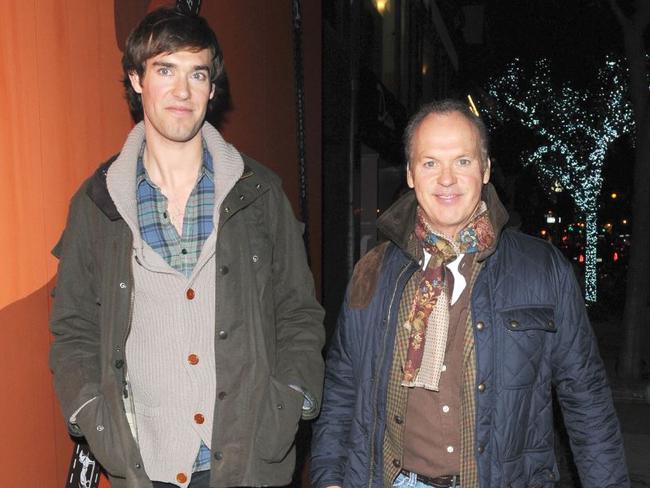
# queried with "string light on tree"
point(575, 127)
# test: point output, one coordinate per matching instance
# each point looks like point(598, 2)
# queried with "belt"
point(446, 481)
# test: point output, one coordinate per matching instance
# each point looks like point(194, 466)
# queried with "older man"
point(453, 334)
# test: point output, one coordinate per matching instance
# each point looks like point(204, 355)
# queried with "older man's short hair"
point(446, 106)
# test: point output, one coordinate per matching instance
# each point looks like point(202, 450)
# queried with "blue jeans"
point(409, 481)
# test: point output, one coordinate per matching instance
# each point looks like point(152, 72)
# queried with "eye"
point(464, 162)
point(164, 71)
point(200, 75)
point(429, 164)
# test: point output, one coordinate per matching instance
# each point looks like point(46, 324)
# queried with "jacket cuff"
point(309, 406)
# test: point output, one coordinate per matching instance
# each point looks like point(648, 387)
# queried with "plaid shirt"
point(180, 252)
point(156, 228)
point(397, 397)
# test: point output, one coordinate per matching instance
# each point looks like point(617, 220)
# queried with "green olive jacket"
point(269, 333)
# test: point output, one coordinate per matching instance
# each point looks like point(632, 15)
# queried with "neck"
point(173, 164)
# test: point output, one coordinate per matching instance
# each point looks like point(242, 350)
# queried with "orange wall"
point(63, 113)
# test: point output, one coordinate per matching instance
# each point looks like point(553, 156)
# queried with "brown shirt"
point(432, 424)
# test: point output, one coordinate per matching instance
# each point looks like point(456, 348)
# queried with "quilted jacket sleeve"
point(331, 431)
point(584, 393)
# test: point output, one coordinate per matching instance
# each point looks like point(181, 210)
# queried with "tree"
point(635, 24)
point(574, 128)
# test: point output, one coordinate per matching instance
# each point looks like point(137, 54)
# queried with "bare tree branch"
point(643, 14)
point(623, 20)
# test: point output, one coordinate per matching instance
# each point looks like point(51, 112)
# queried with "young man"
point(187, 337)
point(451, 337)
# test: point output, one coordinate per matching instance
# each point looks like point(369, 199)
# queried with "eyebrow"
point(198, 67)
point(461, 156)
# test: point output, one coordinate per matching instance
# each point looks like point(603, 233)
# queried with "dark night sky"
point(574, 34)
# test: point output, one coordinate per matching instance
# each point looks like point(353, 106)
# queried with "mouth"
point(180, 111)
point(447, 197)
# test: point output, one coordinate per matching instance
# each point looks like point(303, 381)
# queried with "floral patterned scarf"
point(428, 319)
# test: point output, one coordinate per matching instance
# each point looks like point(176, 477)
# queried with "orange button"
point(193, 359)
point(199, 418)
point(189, 294)
point(181, 477)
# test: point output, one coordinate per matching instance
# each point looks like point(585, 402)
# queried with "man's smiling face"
point(175, 90)
point(446, 171)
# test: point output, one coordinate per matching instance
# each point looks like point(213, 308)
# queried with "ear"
point(213, 91)
point(409, 176)
point(135, 81)
point(486, 173)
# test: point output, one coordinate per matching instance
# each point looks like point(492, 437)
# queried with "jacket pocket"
point(515, 475)
point(98, 427)
point(524, 333)
point(278, 422)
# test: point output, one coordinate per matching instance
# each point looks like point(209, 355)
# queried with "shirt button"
point(183, 251)
point(481, 387)
point(190, 294)
point(222, 395)
point(223, 334)
point(399, 420)
point(218, 455)
point(481, 449)
point(396, 463)
point(199, 418)
point(445, 408)
point(224, 270)
point(181, 477)
point(193, 359)
point(480, 326)
point(450, 449)
point(444, 367)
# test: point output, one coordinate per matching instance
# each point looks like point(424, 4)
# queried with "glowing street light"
point(382, 6)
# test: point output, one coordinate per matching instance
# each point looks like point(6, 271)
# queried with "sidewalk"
point(633, 414)
point(635, 422)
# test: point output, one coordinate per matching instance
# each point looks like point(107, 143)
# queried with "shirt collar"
point(141, 175)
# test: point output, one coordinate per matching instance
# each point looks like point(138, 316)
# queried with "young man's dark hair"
point(167, 30)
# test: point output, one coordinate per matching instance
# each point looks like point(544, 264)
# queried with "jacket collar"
point(397, 223)
point(222, 152)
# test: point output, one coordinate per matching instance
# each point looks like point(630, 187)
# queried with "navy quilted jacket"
point(533, 335)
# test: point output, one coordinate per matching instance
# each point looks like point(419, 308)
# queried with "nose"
point(446, 177)
point(181, 88)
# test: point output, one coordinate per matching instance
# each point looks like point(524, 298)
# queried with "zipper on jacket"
point(125, 384)
point(375, 391)
point(126, 387)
